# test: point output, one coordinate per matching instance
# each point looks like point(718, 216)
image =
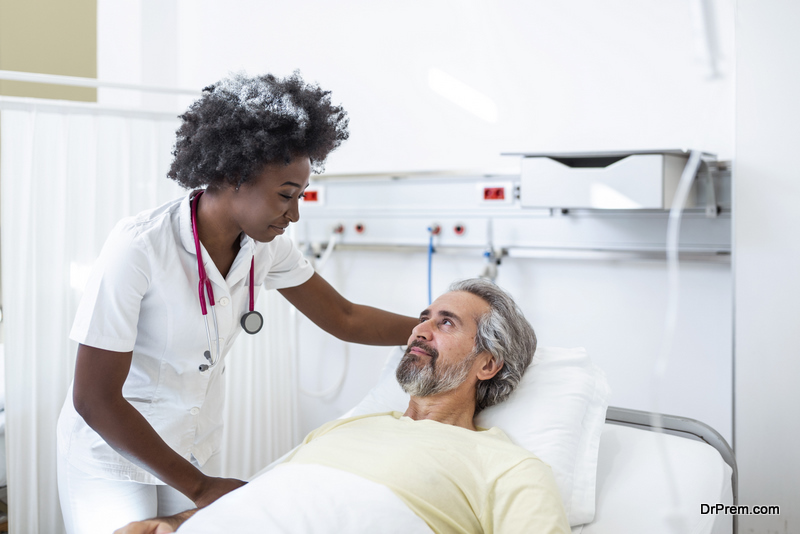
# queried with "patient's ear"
point(488, 366)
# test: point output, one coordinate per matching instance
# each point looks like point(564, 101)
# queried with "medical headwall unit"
point(603, 180)
point(562, 205)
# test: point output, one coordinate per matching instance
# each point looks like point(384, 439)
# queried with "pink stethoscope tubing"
point(251, 321)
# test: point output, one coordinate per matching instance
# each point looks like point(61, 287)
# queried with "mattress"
point(633, 492)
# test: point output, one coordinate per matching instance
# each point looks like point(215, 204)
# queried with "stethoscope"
point(251, 321)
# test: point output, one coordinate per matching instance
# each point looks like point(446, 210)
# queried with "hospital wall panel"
point(399, 209)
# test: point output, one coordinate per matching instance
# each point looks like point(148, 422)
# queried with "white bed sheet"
point(632, 491)
point(312, 499)
point(632, 495)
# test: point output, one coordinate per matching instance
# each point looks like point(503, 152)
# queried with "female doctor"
point(173, 287)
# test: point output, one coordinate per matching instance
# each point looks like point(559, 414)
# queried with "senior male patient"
point(468, 352)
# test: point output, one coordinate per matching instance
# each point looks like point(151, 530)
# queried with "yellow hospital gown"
point(456, 480)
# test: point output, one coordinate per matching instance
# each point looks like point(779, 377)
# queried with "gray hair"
point(504, 333)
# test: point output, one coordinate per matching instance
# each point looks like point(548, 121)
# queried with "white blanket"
point(309, 499)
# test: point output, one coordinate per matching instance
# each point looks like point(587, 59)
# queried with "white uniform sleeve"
point(108, 313)
point(288, 268)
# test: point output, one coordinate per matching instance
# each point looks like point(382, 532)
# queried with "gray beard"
point(430, 379)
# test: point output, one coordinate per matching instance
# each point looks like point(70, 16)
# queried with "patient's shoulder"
point(496, 434)
point(495, 439)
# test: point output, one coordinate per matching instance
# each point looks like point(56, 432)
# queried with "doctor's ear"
point(489, 366)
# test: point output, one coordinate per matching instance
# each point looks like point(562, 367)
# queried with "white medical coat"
point(143, 296)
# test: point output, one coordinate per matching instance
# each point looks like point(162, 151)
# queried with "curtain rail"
point(88, 108)
point(16, 76)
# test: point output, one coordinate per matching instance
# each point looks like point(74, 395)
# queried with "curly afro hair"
point(242, 123)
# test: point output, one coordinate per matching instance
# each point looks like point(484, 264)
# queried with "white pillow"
point(557, 412)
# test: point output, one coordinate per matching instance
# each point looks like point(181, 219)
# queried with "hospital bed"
point(608, 461)
point(615, 473)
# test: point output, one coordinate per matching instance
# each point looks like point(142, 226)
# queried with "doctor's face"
point(266, 204)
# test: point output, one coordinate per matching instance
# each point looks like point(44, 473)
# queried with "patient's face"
point(440, 355)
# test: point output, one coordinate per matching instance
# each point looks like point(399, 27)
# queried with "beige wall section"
point(49, 37)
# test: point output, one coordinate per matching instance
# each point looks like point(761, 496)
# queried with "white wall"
point(138, 43)
point(577, 74)
point(767, 261)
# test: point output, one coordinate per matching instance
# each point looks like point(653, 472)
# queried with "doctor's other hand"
point(213, 488)
point(159, 525)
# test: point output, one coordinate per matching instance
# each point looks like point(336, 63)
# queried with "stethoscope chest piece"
point(252, 322)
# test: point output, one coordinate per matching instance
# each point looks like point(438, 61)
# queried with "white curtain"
point(261, 400)
point(67, 174)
